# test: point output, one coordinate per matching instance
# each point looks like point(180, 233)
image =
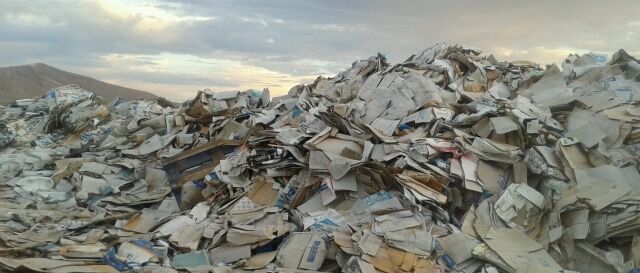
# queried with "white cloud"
point(253, 20)
point(338, 27)
point(29, 19)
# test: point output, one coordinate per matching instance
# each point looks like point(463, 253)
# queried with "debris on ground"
point(451, 161)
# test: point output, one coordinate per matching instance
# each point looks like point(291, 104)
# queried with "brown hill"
point(34, 80)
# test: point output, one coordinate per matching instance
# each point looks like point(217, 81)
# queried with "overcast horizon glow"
point(174, 48)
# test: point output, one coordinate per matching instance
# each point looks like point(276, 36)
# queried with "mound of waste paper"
point(451, 161)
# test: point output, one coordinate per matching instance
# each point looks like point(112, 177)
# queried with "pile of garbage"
point(451, 161)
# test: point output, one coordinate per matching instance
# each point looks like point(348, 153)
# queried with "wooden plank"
point(195, 164)
point(200, 149)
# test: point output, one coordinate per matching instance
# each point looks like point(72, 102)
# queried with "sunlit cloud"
point(147, 10)
point(508, 52)
point(198, 73)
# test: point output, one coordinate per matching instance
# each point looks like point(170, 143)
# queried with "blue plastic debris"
point(111, 258)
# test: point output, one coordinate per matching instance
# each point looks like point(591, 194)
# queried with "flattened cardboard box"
point(303, 250)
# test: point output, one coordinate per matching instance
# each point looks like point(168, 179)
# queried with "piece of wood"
point(196, 163)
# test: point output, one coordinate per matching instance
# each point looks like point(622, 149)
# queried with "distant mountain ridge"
point(34, 80)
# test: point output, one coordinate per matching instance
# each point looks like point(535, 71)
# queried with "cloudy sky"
point(174, 48)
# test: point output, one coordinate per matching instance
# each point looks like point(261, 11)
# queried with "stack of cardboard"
point(451, 161)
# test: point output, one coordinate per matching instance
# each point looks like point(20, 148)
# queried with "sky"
point(174, 48)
